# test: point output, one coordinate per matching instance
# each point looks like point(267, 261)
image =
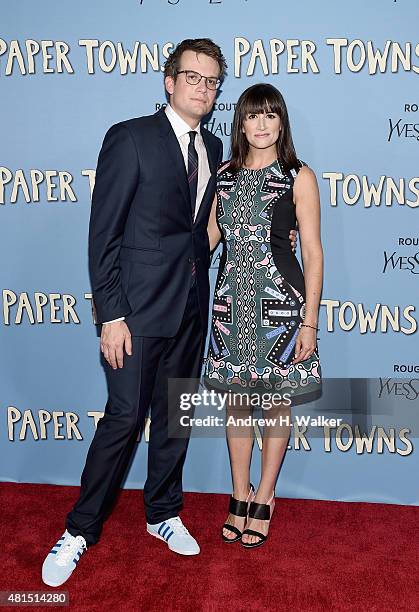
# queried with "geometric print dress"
point(259, 295)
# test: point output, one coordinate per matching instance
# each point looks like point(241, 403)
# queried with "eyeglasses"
point(193, 78)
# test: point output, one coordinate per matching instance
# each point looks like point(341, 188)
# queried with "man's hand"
point(293, 239)
point(115, 336)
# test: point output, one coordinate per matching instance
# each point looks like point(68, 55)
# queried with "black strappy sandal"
point(261, 512)
point(238, 508)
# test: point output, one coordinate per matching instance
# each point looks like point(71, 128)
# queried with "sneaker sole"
point(189, 553)
point(54, 584)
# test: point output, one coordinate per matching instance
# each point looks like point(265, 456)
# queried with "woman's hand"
point(305, 344)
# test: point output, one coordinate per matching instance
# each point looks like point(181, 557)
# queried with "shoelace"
point(68, 550)
point(177, 525)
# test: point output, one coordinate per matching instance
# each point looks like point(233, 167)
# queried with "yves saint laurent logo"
point(403, 259)
point(407, 389)
point(405, 128)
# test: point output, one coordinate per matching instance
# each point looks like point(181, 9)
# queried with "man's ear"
point(169, 83)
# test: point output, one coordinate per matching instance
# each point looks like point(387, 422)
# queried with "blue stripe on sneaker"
point(169, 536)
point(161, 527)
point(163, 533)
point(53, 552)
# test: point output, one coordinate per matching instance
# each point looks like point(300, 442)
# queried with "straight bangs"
point(258, 99)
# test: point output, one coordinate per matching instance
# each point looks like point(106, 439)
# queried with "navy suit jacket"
point(142, 237)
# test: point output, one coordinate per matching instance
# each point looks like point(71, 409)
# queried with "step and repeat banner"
point(349, 73)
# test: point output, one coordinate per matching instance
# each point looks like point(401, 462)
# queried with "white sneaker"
point(62, 559)
point(174, 533)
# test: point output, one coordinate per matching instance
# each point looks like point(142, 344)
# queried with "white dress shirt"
point(181, 130)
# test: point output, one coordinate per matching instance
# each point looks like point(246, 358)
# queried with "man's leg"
point(130, 390)
point(182, 358)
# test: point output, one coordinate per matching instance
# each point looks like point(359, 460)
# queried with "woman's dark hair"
point(199, 45)
point(261, 98)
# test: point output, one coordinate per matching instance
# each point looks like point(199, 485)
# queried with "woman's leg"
point(274, 446)
point(240, 442)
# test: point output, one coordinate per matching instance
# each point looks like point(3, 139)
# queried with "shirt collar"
point(180, 127)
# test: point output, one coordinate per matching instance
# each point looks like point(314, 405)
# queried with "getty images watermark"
point(234, 402)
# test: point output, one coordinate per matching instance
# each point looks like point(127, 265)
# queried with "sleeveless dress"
point(259, 296)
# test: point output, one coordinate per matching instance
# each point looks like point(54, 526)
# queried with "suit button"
point(198, 259)
point(190, 260)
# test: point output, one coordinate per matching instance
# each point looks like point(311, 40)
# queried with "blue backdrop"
point(349, 73)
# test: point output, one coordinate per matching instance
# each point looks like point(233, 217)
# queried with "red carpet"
point(320, 555)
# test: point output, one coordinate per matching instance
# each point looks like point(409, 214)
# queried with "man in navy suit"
point(148, 259)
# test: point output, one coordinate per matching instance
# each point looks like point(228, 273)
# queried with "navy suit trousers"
point(141, 384)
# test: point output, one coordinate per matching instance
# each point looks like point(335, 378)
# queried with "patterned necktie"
point(193, 184)
point(192, 170)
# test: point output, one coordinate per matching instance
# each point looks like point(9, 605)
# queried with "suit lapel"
point(211, 181)
point(210, 152)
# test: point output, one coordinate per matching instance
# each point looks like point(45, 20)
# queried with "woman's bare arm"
point(307, 204)
point(214, 234)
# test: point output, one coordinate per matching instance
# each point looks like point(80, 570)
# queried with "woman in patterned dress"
point(265, 311)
